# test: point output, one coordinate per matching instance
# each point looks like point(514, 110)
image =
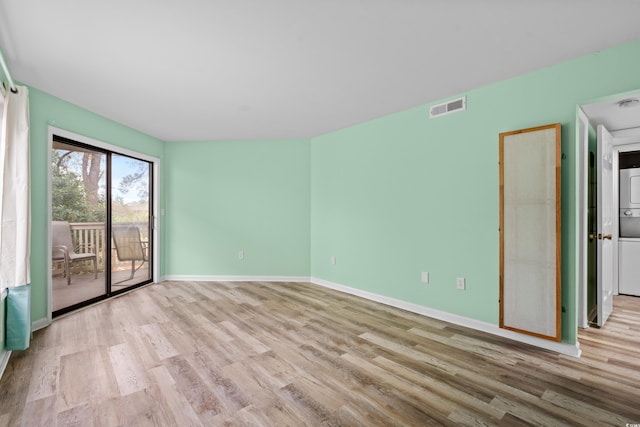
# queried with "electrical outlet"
point(333, 260)
point(241, 255)
point(460, 284)
point(425, 277)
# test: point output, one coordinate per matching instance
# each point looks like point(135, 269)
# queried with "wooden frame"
point(530, 227)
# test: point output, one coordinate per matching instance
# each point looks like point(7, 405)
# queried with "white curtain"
point(15, 212)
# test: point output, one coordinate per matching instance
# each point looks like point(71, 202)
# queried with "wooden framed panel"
point(530, 269)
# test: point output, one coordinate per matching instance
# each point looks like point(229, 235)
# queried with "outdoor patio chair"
point(129, 246)
point(65, 251)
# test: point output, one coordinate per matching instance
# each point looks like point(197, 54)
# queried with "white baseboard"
point(183, 278)
point(558, 347)
point(39, 324)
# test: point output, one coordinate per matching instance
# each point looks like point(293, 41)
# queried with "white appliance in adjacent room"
point(629, 241)
point(629, 262)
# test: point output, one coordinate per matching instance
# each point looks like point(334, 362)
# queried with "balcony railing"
point(94, 233)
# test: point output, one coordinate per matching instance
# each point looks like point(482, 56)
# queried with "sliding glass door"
point(78, 233)
point(130, 221)
point(101, 228)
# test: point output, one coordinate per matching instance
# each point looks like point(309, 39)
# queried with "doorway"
point(592, 255)
point(102, 221)
point(619, 115)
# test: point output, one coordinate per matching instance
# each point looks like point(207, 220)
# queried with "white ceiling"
point(612, 116)
point(261, 69)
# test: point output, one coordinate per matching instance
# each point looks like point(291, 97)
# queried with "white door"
point(605, 224)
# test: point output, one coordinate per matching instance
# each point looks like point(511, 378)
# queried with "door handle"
point(600, 236)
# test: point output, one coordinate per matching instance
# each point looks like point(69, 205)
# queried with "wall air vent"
point(449, 107)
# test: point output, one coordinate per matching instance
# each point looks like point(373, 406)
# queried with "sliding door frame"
point(155, 196)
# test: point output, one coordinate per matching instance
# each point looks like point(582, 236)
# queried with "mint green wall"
point(46, 110)
point(224, 197)
point(404, 194)
point(389, 198)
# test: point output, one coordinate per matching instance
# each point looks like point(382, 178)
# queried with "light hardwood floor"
point(292, 354)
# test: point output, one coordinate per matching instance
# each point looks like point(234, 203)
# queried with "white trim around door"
point(51, 131)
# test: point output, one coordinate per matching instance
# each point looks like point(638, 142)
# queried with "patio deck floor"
point(84, 286)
